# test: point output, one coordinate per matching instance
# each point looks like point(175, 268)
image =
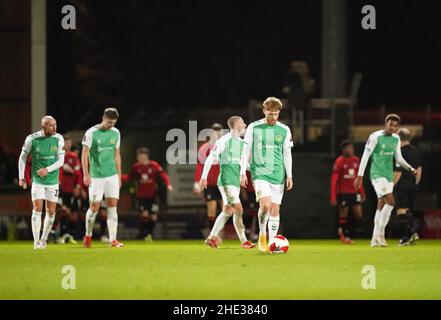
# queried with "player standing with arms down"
point(383, 145)
point(145, 172)
point(47, 150)
point(70, 185)
point(343, 193)
point(101, 145)
point(268, 142)
point(227, 152)
point(405, 189)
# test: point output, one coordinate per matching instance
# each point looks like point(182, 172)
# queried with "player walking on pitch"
point(47, 150)
point(268, 142)
point(405, 189)
point(227, 151)
point(383, 145)
point(101, 145)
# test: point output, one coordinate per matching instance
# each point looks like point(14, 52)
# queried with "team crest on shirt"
point(54, 148)
point(112, 141)
point(279, 138)
point(98, 141)
point(144, 177)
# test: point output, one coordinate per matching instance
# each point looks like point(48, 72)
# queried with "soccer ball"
point(279, 244)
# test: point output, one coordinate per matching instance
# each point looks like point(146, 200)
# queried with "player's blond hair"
point(272, 103)
point(232, 120)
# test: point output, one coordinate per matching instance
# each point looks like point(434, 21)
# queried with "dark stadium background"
point(163, 63)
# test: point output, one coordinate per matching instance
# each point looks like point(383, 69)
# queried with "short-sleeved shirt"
point(267, 143)
point(102, 145)
point(383, 149)
point(45, 151)
point(228, 150)
point(412, 156)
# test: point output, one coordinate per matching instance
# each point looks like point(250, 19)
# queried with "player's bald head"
point(49, 125)
point(405, 134)
point(46, 120)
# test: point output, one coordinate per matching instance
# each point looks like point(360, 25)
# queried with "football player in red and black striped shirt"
point(212, 196)
point(343, 193)
point(145, 172)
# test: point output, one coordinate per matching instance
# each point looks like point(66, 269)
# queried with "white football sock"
point(36, 225)
point(384, 218)
point(376, 231)
point(90, 221)
point(239, 226)
point(48, 222)
point(273, 226)
point(112, 223)
point(219, 224)
point(263, 221)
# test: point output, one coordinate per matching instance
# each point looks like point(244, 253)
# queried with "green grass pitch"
point(312, 269)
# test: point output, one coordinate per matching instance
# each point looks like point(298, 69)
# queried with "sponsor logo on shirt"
point(100, 149)
point(350, 175)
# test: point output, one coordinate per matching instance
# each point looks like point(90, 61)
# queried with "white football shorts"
point(382, 187)
point(265, 189)
point(43, 192)
point(109, 187)
point(230, 194)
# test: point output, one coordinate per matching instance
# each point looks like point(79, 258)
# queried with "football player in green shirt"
point(383, 145)
point(267, 148)
point(227, 151)
point(46, 148)
point(101, 162)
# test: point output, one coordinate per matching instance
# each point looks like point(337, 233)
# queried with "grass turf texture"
point(312, 269)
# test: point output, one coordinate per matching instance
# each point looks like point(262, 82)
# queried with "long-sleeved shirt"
point(344, 172)
point(47, 152)
point(383, 148)
point(268, 150)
